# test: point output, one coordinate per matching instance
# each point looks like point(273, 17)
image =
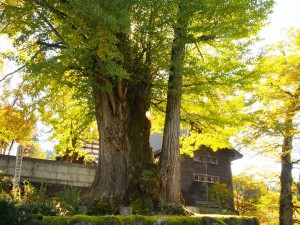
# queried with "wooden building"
point(198, 173)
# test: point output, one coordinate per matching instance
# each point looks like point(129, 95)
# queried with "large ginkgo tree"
point(113, 53)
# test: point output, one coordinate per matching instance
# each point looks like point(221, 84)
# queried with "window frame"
point(206, 159)
point(198, 177)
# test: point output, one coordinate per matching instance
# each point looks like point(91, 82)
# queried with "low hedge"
point(151, 220)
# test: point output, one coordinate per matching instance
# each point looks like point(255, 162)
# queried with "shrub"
point(35, 200)
point(24, 214)
point(68, 201)
point(104, 207)
point(29, 193)
point(18, 215)
point(5, 187)
point(8, 213)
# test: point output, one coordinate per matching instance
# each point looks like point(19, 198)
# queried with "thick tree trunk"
point(286, 178)
point(123, 126)
point(286, 202)
point(112, 176)
point(170, 158)
point(124, 149)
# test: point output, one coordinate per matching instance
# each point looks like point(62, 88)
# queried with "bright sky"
point(285, 15)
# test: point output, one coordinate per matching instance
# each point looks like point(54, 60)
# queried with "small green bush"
point(68, 201)
point(8, 213)
point(104, 207)
point(18, 215)
point(24, 214)
point(5, 187)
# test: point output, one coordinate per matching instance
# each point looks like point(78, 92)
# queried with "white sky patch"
point(285, 16)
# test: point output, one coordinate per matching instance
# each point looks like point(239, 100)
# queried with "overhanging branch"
point(10, 74)
point(51, 45)
point(22, 67)
point(52, 9)
point(295, 162)
point(47, 22)
point(202, 38)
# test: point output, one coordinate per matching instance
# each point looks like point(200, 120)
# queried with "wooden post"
point(18, 167)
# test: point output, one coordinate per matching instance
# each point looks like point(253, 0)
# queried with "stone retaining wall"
point(39, 170)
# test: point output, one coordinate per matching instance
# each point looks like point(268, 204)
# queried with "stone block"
point(126, 211)
point(62, 176)
point(84, 171)
point(93, 172)
point(74, 169)
point(84, 178)
point(10, 171)
point(51, 167)
point(73, 177)
point(28, 172)
point(40, 167)
point(44, 174)
point(61, 182)
point(85, 184)
point(63, 169)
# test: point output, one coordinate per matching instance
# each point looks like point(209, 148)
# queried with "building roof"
point(156, 141)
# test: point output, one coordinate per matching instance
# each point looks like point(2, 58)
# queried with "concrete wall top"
point(40, 170)
point(45, 161)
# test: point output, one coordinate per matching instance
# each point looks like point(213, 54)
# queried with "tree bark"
point(286, 206)
point(170, 158)
point(124, 130)
point(123, 127)
point(124, 149)
point(111, 177)
point(10, 147)
point(286, 180)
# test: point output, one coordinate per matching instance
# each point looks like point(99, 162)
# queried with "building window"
point(205, 159)
point(206, 178)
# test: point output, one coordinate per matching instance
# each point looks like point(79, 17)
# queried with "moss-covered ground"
point(151, 220)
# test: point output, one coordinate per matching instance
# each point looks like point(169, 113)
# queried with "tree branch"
point(202, 38)
point(51, 45)
point(199, 50)
point(52, 9)
point(9, 74)
point(295, 162)
point(110, 95)
point(48, 23)
point(121, 92)
point(20, 68)
point(11, 22)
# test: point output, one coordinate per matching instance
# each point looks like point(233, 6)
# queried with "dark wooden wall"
point(195, 192)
